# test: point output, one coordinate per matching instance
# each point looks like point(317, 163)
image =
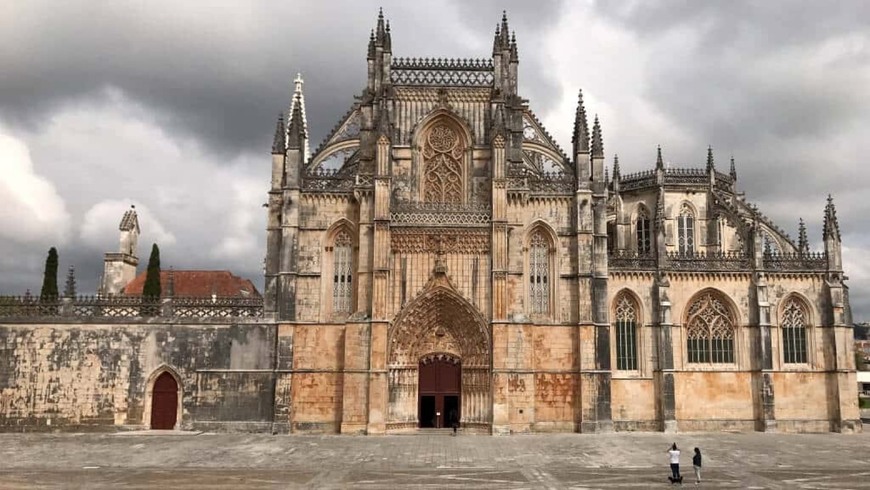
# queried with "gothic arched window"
point(342, 272)
point(710, 331)
point(442, 156)
point(643, 231)
point(626, 333)
point(539, 273)
point(686, 230)
point(794, 332)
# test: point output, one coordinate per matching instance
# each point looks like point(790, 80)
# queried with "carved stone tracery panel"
point(443, 150)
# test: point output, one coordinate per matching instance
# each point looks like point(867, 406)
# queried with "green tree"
point(151, 289)
point(49, 279)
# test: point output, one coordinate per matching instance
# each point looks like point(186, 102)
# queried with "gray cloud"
point(187, 89)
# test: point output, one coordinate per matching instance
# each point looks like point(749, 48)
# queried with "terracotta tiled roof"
point(197, 284)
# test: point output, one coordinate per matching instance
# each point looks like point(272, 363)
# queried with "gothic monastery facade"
point(440, 259)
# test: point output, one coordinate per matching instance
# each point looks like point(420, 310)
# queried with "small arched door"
point(164, 402)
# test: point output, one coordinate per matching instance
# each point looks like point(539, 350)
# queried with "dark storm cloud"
point(220, 72)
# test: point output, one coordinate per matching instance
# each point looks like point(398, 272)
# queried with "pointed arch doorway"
point(440, 392)
point(439, 362)
point(164, 402)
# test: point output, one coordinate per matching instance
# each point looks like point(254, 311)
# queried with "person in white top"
point(674, 456)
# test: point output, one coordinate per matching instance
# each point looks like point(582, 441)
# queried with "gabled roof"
point(197, 283)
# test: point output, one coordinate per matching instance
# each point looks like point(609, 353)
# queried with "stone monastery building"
point(440, 257)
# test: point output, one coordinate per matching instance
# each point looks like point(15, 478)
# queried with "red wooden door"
point(439, 378)
point(164, 402)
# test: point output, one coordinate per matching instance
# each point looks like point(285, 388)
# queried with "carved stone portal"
point(439, 322)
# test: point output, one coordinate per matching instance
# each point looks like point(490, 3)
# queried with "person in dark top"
point(696, 465)
point(454, 420)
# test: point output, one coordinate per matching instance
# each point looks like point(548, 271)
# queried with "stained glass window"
point(539, 273)
point(342, 285)
point(642, 227)
point(626, 337)
point(686, 231)
point(794, 333)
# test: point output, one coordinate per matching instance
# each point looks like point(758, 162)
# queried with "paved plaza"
point(181, 460)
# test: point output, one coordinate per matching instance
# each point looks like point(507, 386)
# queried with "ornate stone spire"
point(371, 51)
point(69, 290)
point(496, 41)
point(660, 164)
point(803, 244)
point(504, 29)
point(832, 226)
point(710, 165)
point(733, 170)
point(388, 40)
point(597, 141)
point(278, 144)
point(515, 57)
point(581, 129)
point(616, 173)
point(381, 32)
point(297, 125)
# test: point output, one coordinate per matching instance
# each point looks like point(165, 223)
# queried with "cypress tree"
point(151, 289)
point(49, 279)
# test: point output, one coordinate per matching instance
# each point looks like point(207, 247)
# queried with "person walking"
point(454, 420)
point(674, 458)
point(696, 465)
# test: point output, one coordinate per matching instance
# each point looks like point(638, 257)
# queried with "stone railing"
point(90, 307)
point(426, 71)
point(808, 261)
point(441, 214)
point(711, 261)
point(631, 260)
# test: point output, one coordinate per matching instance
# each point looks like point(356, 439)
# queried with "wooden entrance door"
point(164, 402)
point(440, 387)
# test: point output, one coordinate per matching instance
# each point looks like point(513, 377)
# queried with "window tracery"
point(539, 273)
point(643, 232)
point(626, 328)
point(342, 259)
point(710, 331)
point(686, 230)
point(442, 154)
point(794, 332)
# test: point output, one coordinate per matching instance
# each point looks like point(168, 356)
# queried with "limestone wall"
point(92, 376)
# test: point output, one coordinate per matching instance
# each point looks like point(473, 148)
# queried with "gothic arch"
point(442, 158)
point(440, 312)
point(344, 230)
point(711, 321)
point(632, 296)
point(626, 320)
point(439, 322)
point(805, 303)
point(149, 393)
point(795, 321)
point(540, 274)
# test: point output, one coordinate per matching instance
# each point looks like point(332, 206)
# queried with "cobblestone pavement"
point(433, 460)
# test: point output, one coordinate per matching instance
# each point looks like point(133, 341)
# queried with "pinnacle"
point(733, 171)
point(659, 162)
point(616, 172)
point(710, 164)
point(597, 140)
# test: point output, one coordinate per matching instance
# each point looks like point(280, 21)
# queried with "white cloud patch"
point(30, 208)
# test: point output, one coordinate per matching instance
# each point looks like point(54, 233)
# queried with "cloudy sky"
point(171, 106)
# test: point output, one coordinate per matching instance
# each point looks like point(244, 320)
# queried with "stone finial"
point(660, 164)
point(69, 290)
point(515, 57)
point(597, 140)
point(278, 143)
point(710, 164)
point(297, 126)
point(496, 41)
point(803, 243)
point(580, 137)
point(388, 40)
point(504, 28)
point(733, 170)
point(832, 226)
point(381, 32)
